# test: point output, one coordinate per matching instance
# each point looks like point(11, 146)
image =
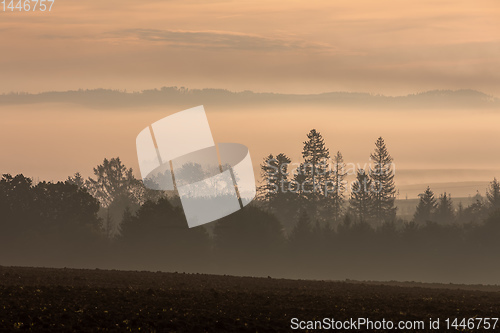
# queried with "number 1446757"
point(26, 5)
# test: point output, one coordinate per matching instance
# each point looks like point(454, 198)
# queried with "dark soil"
point(54, 300)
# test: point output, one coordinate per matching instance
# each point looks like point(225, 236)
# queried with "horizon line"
point(206, 89)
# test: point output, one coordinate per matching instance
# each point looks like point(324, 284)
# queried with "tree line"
point(318, 185)
point(310, 231)
point(329, 199)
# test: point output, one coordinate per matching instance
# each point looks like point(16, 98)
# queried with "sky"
point(51, 141)
point(301, 47)
point(388, 47)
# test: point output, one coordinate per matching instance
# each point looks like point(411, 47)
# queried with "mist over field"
point(442, 139)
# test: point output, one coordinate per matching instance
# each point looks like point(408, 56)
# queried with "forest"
point(305, 223)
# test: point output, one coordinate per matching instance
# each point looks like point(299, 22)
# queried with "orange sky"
point(390, 47)
point(52, 141)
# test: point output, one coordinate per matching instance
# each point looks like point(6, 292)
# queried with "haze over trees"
point(339, 187)
point(329, 232)
point(361, 203)
point(426, 207)
point(493, 195)
point(274, 174)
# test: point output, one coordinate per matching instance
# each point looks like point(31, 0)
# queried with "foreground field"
point(88, 300)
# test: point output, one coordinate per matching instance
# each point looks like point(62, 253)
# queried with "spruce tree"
point(382, 176)
point(299, 178)
point(445, 213)
point(316, 157)
point(426, 207)
point(361, 200)
point(338, 181)
point(493, 195)
point(283, 162)
point(274, 173)
point(268, 173)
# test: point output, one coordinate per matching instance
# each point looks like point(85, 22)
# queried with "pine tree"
point(274, 172)
point(299, 179)
point(382, 176)
point(426, 207)
point(493, 195)
point(268, 172)
point(338, 194)
point(283, 181)
point(315, 156)
point(361, 200)
point(445, 213)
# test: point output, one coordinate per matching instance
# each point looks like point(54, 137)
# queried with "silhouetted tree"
point(300, 177)
point(444, 211)
point(274, 173)
point(77, 180)
point(114, 214)
point(113, 179)
point(486, 236)
point(278, 192)
point(65, 203)
point(382, 175)
point(338, 181)
point(316, 157)
point(361, 200)
point(16, 208)
point(493, 195)
point(475, 212)
point(17, 196)
point(426, 207)
point(48, 220)
point(114, 182)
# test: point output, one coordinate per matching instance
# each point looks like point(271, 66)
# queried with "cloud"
point(382, 47)
point(216, 40)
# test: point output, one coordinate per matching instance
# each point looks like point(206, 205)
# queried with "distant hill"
point(99, 98)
